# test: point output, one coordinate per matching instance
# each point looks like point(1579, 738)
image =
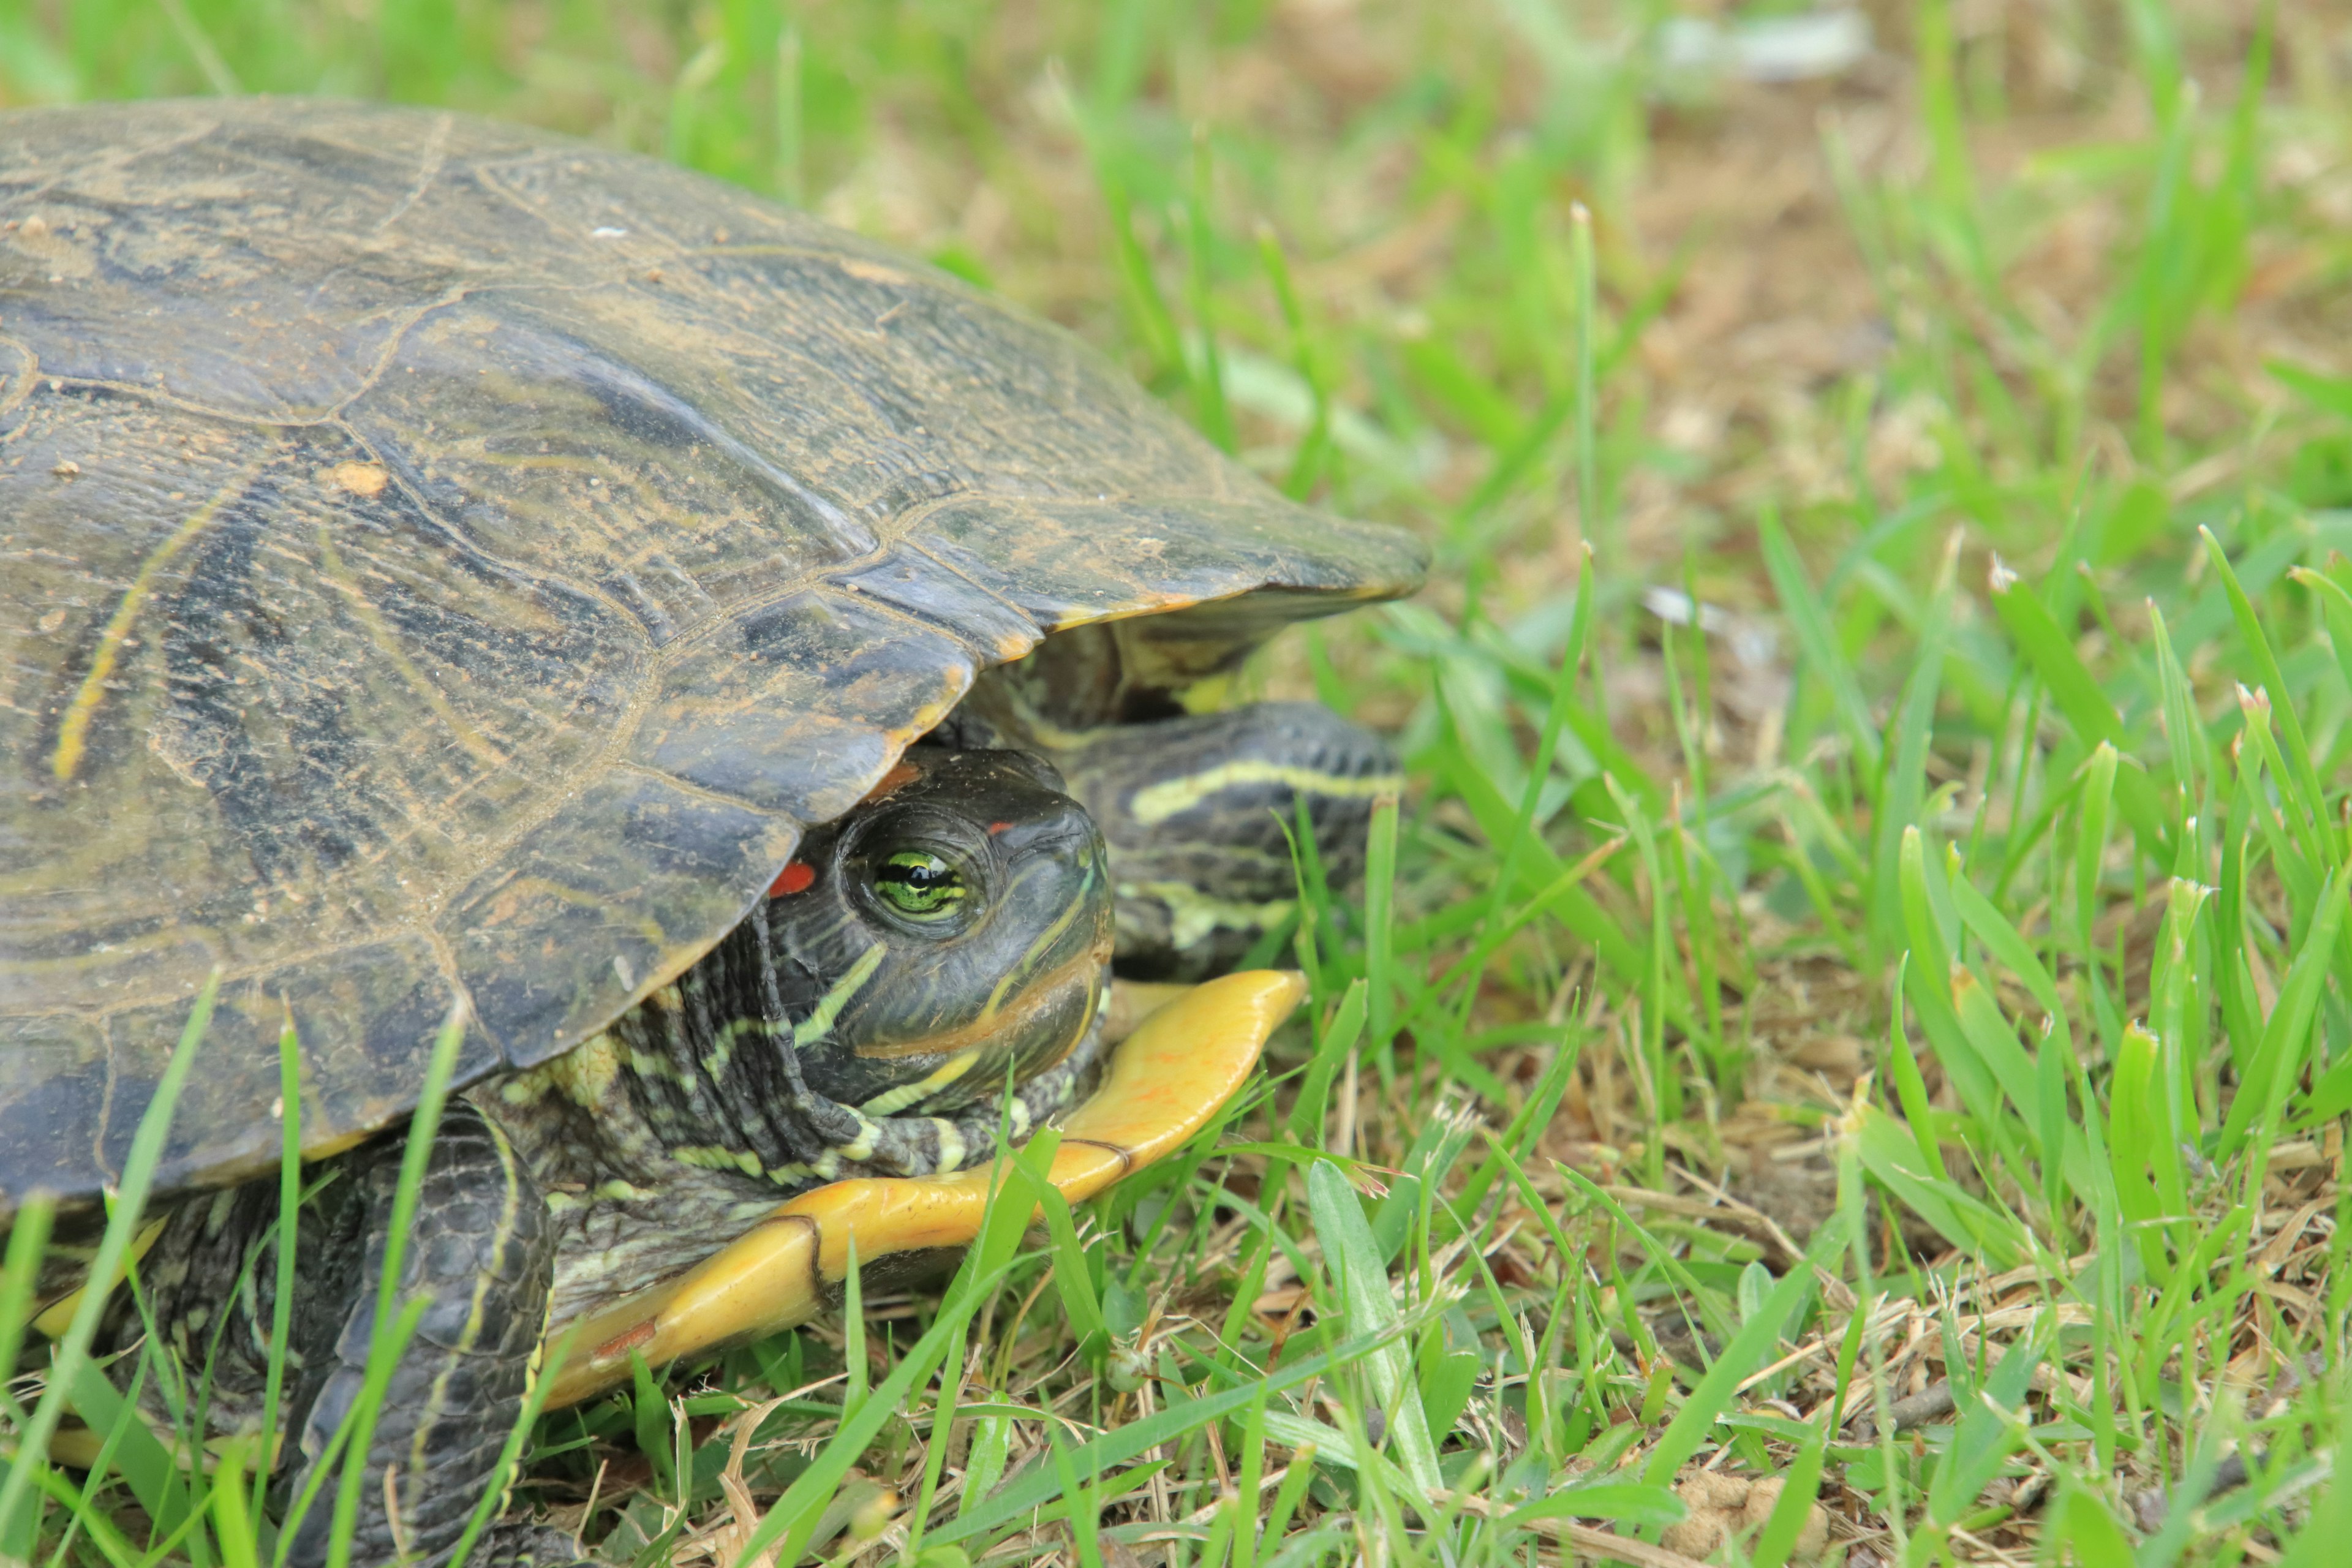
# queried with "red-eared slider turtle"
point(753, 678)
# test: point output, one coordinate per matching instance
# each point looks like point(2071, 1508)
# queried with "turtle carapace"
point(754, 679)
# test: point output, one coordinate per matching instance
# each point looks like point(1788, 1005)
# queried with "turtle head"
point(953, 928)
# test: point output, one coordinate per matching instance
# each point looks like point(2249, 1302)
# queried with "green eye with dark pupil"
point(918, 883)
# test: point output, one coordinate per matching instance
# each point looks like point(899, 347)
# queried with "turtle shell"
point(448, 564)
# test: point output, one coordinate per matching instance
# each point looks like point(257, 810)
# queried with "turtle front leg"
point(1194, 810)
point(480, 1246)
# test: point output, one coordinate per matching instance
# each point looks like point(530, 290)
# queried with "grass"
point(1858, 997)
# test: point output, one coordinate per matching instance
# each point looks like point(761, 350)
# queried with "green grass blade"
point(1589, 517)
point(1990, 1428)
point(794, 1517)
point(1890, 1152)
point(1362, 1278)
point(534, 1399)
point(1308, 1114)
point(1033, 1490)
point(1073, 1278)
point(1902, 792)
point(1756, 1340)
point(2288, 1037)
point(1824, 659)
point(131, 1451)
point(2190, 753)
point(233, 1520)
point(2052, 654)
point(1800, 1484)
point(289, 1209)
point(2301, 778)
point(1379, 896)
point(28, 1239)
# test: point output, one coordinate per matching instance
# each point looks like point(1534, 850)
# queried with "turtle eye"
point(919, 885)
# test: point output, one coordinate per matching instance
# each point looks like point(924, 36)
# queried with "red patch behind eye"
point(794, 877)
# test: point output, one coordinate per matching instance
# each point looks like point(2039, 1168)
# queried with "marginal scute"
point(797, 707)
point(53, 1075)
point(910, 580)
point(365, 1020)
point(603, 902)
point(1069, 562)
point(627, 207)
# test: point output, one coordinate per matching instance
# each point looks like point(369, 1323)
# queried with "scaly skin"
point(629, 1214)
point(480, 1243)
point(1199, 813)
point(558, 1192)
point(480, 1246)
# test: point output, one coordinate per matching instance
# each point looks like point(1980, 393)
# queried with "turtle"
point(753, 688)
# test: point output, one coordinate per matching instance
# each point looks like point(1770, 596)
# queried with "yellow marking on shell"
point(1163, 1084)
point(1194, 914)
point(367, 479)
point(340, 1143)
point(819, 1023)
point(73, 731)
point(53, 1318)
point(892, 1101)
point(394, 654)
point(1155, 803)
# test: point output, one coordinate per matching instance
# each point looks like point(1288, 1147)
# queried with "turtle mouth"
point(1055, 1006)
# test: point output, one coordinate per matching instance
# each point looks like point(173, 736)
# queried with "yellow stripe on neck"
point(891, 1102)
point(819, 1024)
point(1155, 803)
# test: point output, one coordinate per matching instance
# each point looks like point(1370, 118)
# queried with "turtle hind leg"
point(1195, 809)
point(480, 1246)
